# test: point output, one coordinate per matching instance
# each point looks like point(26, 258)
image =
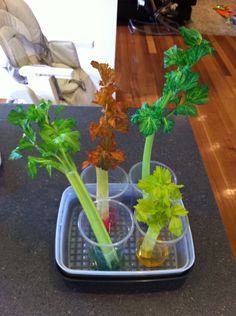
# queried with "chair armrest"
point(62, 44)
point(65, 52)
point(89, 44)
point(47, 71)
point(13, 90)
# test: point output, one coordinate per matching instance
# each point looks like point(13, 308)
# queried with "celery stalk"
point(149, 241)
point(147, 152)
point(56, 143)
point(93, 216)
point(147, 156)
point(102, 192)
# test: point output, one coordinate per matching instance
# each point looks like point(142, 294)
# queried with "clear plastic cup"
point(118, 182)
point(120, 227)
point(165, 246)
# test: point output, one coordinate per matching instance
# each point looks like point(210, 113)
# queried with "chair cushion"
point(73, 90)
point(17, 48)
point(22, 11)
point(7, 19)
point(3, 5)
point(64, 52)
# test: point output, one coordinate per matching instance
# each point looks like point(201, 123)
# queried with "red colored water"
point(111, 220)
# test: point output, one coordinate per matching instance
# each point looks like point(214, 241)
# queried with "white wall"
point(80, 21)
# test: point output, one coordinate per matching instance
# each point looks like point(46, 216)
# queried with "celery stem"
point(93, 216)
point(147, 155)
point(149, 142)
point(102, 192)
point(149, 240)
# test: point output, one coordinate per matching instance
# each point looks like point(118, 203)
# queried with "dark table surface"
point(30, 283)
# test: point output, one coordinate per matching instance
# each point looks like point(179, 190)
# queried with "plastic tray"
point(72, 258)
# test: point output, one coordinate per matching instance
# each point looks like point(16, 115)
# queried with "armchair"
point(32, 68)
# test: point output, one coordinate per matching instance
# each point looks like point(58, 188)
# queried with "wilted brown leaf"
point(114, 118)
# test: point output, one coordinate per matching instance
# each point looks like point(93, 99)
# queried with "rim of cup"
point(115, 244)
point(171, 241)
point(125, 183)
point(152, 162)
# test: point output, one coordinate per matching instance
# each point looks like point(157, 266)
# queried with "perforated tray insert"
point(72, 255)
point(78, 254)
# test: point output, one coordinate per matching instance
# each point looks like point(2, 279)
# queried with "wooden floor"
point(139, 65)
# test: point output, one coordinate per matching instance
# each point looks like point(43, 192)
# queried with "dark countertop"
point(30, 283)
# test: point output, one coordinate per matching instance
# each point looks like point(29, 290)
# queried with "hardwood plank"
point(222, 57)
point(139, 63)
point(151, 45)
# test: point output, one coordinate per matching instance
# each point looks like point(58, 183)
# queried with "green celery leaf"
point(168, 125)
point(148, 119)
point(191, 36)
point(141, 216)
point(177, 81)
point(197, 95)
point(190, 80)
point(39, 112)
point(64, 124)
point(145, 206)
point(178, 210)
point(49, 169)
point(57, 138)
point(162, 176)
point(33, 162)
point(175, 226)
point(168, 212)
point(165, 201)
point(159, 218)
point(158, 206)
point(170, 83)
point(35, 114)
point(68, 141)
point(209, 49)
point(187, 110)
point(177, 100)
point(32, 168)
point(156, 193)
point(144, 185)
point(20, 118)
point(147, 184)
point(17, 116)
point(15, 154)
point(153, 183)
point(59, 109)
point(174, 191)
point(46, 150)
point(194, 54)
point(24, 143)
point(173, 56)
point(60, 139)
